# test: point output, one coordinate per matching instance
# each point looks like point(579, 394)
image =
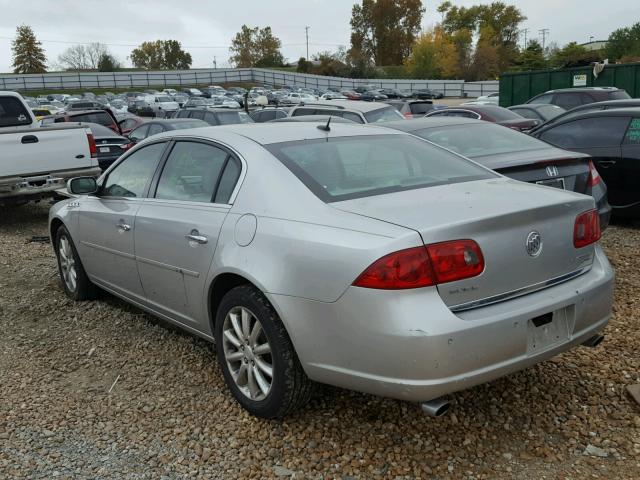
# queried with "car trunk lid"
point(500, 215)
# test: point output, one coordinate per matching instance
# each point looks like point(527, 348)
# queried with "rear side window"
point(210, 118)
point(546, 98)
point(230, 118)
point(183, 114)
point(300, 112)
point(354, 117)
point(588, 132)
point(571, 100)
point(228, 181)
point(13, 113)
point(526, 113)
point(352, 167)
point(199, 114)
point(191, 172)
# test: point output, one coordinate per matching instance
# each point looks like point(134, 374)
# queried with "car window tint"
point(210, 118)
point(128, 123)
point(228, 181)
point(268, 115)
point(131, 177)
point(588, 132)
point(299, 112)
point(352, 167)
point(354, 117)
point(526, 113)
point(569, 100)
point(546, 98)
point(99, 118)
point(155, 129)
point(420, 108)
point(191, 172)
point(632, 136)
point(480, 139)
point(198, 114)
point(13, 113)
point(183, 114)
point(387, 114)
point(139, 133)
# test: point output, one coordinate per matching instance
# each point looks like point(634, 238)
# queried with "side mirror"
point(82, 185)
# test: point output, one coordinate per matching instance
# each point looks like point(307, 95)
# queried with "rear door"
point(177, 230)
point(106, 222)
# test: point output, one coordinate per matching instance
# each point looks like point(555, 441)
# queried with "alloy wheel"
point(67, 264)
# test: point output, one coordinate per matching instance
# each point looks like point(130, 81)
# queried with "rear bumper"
point(42, 184)
point(409, 345)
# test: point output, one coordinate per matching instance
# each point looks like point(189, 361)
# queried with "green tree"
point(303, 65)
point(532, 58)
point(383, 31)
point(624, 42)
point(573, 55)
point(434, 56)
point(486, 57)
point(108, 63)
point(161, 55)
point(501, 20)
point(330, 64)
point(28, 54)
point(256, 47)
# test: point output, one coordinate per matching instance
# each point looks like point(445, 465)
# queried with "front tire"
point(256, 356)
point(74, 279)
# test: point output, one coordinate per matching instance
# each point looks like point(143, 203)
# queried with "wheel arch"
point(54, 226)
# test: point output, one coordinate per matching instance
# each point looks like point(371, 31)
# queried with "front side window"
point(131, 177)
point(155, 129)
point(352, 167)
point(191, 172)
point(588, 132)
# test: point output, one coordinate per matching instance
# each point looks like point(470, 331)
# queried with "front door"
point(177, 230)
point(107, 222)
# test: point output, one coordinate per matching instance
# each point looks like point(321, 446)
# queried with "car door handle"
point(29, 139)
point(607, 163)
point(123, 226)
point(195, 236)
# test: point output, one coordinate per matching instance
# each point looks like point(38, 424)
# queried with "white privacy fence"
point(188, 78)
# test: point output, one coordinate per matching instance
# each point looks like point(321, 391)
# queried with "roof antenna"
point(326, 127)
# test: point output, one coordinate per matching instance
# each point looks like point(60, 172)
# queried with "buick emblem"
point(552, 171)
point(534, 244)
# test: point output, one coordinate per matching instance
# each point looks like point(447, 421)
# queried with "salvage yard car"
point(357, 256)
point(36, 161)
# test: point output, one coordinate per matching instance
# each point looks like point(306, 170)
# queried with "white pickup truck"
point(36, 161)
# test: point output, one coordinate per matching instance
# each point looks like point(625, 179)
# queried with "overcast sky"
point(205, 27)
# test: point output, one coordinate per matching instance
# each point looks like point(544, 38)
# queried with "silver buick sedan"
point(355, 256)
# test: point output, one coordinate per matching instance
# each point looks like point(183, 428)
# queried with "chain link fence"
point(200, 77)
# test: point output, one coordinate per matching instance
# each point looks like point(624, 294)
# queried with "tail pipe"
point(593, 341)
point(436, 407)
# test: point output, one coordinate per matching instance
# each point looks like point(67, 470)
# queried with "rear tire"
point(251, 343)
point(74, 279)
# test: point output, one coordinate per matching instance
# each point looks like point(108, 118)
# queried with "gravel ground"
point(102, 390)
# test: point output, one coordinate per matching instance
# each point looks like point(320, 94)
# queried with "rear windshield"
point(551, 111)
point(500, 114)
point(192, 124)
point(387, 114)
point(619, 95)
point(480, 139)
point(229, 118)
point(101, 118)
point(343, 168)
point(418, 108)
point(13, 113)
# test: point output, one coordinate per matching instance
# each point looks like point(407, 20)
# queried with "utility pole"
point(306, 31)
point(215, 64)
point(525, 31)
point(544, 32)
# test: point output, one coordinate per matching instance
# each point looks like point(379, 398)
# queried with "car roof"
point(535, 106)
point(314, 118)
point(622, 101)
point(613, 112)
point(268, 133)
point(583, 89)
point(362, 107)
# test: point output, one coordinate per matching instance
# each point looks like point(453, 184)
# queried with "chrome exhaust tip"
point(593, 341)
point(436, 407)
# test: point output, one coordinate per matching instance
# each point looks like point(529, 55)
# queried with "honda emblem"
point(552, 171)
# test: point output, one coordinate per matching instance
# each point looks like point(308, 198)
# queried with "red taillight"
point(586, 229)
point(92, 145)
point(408, 115)
point(456, 260)
point(594, 176)
point(424, 266)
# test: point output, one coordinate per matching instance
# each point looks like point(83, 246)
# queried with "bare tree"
point(83, 57)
